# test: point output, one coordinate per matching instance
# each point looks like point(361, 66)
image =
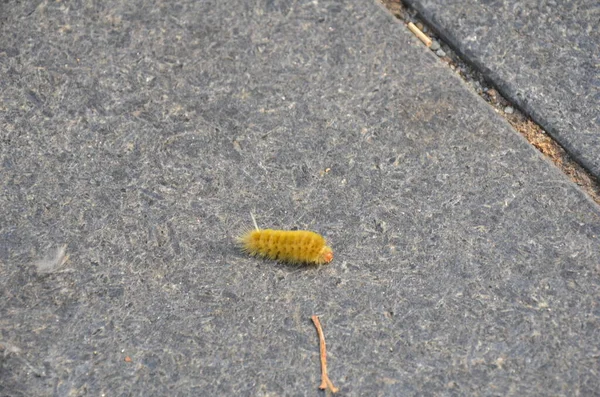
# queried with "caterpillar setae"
point(293, 246)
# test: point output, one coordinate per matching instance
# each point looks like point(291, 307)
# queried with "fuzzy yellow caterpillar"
point(294, 246)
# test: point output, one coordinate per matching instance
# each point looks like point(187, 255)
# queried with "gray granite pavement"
point(137, 136)
point(544, 56)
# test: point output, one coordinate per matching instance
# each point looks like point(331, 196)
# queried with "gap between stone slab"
point(520, 121)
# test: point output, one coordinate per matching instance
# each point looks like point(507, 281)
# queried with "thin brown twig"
point(325, 381)
point(417, 32)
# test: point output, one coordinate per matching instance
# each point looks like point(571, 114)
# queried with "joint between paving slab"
point(492, 92)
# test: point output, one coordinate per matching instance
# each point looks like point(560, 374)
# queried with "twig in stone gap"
point(417, 32)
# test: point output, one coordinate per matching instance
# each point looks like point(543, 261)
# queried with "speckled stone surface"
point(542, 55)
point(141, 134)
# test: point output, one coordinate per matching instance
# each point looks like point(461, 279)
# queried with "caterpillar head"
point(326, 255)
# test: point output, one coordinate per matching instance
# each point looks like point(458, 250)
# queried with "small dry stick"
point(426, 40)
point(325, 381)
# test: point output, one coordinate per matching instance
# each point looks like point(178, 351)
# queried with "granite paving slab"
point(137, 137)
point(542, 55)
